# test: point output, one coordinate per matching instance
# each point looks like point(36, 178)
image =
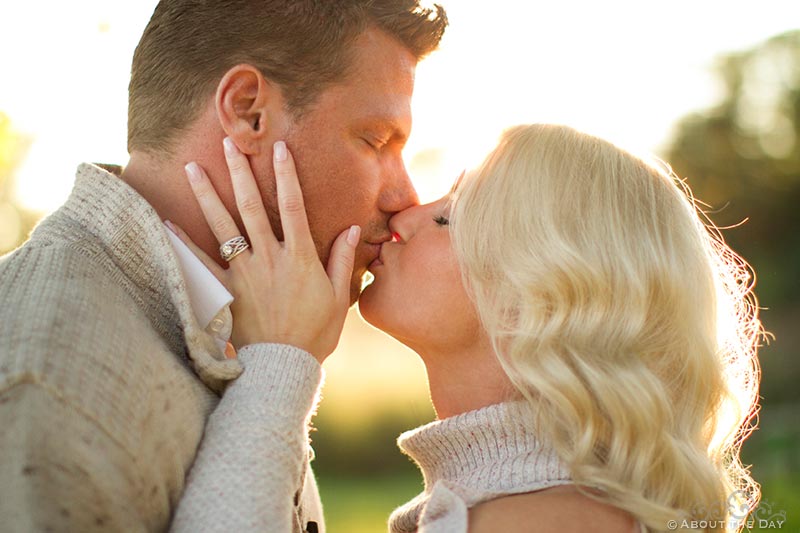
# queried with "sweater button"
point(216, 325)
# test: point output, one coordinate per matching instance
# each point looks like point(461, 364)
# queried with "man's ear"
point(243, 102)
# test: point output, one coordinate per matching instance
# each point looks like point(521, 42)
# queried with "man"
point(112, 334)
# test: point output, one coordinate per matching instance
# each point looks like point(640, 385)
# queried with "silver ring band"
point(233, 247)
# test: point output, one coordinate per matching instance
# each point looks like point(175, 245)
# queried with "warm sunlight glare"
point(623, 69)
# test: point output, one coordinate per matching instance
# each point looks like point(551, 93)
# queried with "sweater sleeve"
point(250, 467)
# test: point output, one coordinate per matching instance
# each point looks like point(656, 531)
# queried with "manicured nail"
point(280, 151)
point(230, 146)
point(171, 226)
point(193, 171)
point(353, 235)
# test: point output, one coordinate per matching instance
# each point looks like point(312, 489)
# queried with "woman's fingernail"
point(171, 226)
point(230, 146)
point(353, 235)
point(193, 171)
point(280, 151)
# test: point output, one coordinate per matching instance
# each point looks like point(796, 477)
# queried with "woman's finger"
point(248, 198)
point(214, 211)
point(219, 272)
point(340, 264)
point(296, 234)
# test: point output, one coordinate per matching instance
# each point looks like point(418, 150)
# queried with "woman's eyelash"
point(442, 221)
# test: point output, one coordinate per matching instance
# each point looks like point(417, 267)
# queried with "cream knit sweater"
point(471, 458)
point(108, 385)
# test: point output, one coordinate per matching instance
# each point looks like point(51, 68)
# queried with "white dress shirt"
point(210, 300)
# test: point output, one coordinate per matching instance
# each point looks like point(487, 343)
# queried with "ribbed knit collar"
point(479, 455)
point(121, 225)
point(486, 445)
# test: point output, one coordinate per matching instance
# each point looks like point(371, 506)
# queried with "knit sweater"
point(471, 458)
point(108, 385)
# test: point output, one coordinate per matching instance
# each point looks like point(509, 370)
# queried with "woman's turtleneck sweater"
point(471, 458)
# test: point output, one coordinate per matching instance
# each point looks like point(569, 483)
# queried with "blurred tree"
point(15, 221)
point(742, 158)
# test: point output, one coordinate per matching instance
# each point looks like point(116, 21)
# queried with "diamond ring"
point(233, 247)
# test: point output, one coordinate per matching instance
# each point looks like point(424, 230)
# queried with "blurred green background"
point(741, 157)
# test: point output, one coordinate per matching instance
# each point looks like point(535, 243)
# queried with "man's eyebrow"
point(389, 125)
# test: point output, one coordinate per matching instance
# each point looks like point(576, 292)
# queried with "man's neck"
point(163, 183)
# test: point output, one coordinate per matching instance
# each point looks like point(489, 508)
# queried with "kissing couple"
point(590, 340)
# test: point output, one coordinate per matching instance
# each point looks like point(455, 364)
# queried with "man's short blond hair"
point(302, 45)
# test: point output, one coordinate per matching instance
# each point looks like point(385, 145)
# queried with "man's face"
point(347, 149)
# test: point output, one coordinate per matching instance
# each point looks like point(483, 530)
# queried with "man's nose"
point(399, 193)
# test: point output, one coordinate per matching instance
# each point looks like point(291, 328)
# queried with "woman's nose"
point(403, 224)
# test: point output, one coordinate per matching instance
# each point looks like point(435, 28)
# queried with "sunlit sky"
point(624, 69)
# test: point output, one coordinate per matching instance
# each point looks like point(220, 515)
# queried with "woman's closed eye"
point(441, 220)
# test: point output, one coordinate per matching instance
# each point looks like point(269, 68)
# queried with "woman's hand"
point(282, 293)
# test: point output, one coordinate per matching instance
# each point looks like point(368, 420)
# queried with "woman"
point(589, 341)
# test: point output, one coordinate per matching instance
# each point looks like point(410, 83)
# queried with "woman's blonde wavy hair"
point(623, 318)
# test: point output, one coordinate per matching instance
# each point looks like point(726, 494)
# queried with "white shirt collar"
point(207, 294)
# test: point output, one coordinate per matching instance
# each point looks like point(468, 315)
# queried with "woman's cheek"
point(436, 277)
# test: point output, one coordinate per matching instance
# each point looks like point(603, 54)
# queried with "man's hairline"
point(296, 113)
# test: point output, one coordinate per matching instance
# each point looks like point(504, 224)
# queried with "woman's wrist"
point(278, 376)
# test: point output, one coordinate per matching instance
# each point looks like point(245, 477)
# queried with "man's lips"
point(375, 263)
point(375, 249)
point(375, 246)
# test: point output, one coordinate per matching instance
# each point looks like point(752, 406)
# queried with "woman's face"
point(418, 296)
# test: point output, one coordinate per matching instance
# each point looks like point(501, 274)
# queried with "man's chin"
point(361, 278)
point(355, 292)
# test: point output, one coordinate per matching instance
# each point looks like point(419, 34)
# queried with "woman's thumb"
point(340, 263)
